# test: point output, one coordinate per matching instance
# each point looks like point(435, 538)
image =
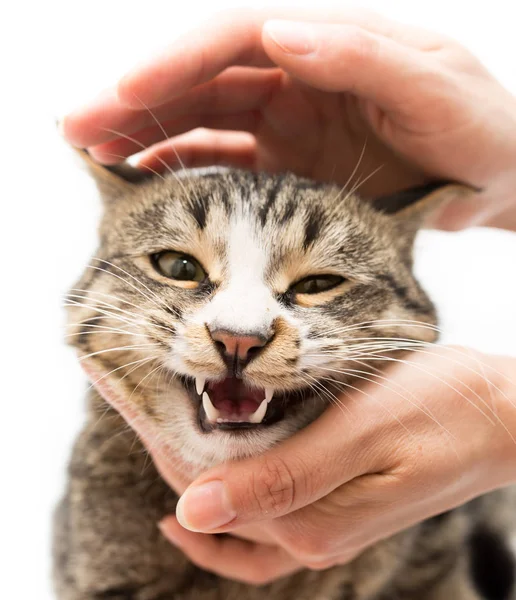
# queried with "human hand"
point(438, 433)
point(358, 89)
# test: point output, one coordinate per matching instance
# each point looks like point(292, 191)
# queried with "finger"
point(117, 150)
point(301, 470)
point(196, 58)
point(347, 58)
point(235, 90)
point(202, 148)
point(229, 557)
point(234, 38)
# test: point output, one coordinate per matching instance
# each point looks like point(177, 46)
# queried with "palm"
point(325, 136)
point(316, 134)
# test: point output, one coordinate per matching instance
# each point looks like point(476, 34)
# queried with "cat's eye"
point(317, 284)
point(180, 267)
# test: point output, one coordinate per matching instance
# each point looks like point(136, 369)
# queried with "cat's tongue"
point(230, 401)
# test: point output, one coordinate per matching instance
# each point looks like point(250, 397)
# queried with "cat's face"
point(231, 309)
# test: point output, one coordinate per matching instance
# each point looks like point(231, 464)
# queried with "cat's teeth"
point(269, 393)
point(200, 382)
point(259, 413)
point(211, 412)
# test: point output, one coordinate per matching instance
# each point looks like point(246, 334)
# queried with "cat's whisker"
point(166, 138)
point(108, 313)
point(143, 379)
point(355, 340)
point(353, 173)
point(348, 347)
point(488, 382)
point(105, 312)
point(318, 395)
point(483, 402)
point(317, 389)
point(95, 326)
point(106, 411)
point(142, 166)
point(143, 147)
point(88, 328)
point(356, 349)
point(379, 323)
point(160, 304)
point(159, 301)
point(118, 349)
point(103, 303)
point(105, 330)
point(379, 374)
point(319, 385)
point(88, 292)
point(139, 363)
point(458, 392)
point(370, 396)
point(161, 369)
point(426, 345)
point(359, 184)
point(367, 376)
point(106, 305)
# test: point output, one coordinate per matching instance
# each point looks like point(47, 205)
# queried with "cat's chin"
point(203, 449)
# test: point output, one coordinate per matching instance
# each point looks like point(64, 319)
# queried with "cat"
point(225, 311)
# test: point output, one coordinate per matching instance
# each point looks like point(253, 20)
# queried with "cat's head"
point(227, 310)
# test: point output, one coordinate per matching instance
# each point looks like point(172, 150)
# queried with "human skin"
point(349, 84)
point(423, 107)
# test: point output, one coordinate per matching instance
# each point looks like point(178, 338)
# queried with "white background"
point(55, 55)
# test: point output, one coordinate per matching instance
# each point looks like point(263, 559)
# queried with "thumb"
point(298, 472)
point(347, 58)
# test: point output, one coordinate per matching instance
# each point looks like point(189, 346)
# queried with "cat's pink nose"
point(236, 347)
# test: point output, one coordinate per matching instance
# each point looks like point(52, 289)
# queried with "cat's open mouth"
point(230, 404)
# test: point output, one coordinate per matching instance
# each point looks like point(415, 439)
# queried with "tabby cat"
point(224, 310)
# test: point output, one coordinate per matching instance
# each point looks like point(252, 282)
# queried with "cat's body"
point(296, 272)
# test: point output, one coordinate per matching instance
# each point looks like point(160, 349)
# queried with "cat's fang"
point(211, 412)
point(269, 393)
point(259, 413)
point(200, 382)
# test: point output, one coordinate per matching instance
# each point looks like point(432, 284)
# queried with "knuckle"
point(274, 487)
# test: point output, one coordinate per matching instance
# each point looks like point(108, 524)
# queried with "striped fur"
point(142, 336)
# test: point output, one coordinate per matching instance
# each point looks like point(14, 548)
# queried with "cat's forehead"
point(270, 201)
point(283, 215)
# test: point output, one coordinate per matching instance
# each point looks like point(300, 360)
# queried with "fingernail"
point(205, 507)
point(292, 37)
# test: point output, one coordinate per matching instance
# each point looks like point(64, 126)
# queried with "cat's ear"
point(114, 181)
point(410, 208)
